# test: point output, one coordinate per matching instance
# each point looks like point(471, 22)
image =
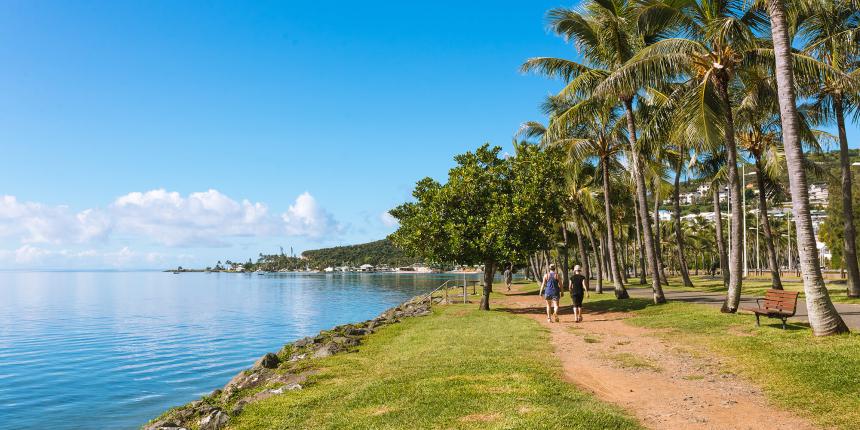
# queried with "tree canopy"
point(491, 209)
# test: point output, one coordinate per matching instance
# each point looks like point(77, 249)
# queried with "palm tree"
point(588, 129)
point(606, 35)
point(660, 129)
point(712, 168)
point(822, 314)
point(700, 232)
point(579, 179)
point(720, 39)
point(829, 31)
point(758, 134)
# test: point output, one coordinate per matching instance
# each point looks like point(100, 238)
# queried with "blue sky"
point(350, 102)
point(151, 134)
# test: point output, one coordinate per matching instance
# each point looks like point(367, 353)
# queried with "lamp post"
point(790, 264)
point(744, 196)
point(757, 222)
point(744, 216)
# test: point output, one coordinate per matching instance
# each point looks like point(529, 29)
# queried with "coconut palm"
point(720, 38)
point(712, 168)
point(823, 317)
point(758, 134)
point(657, 132)
point(579, 178)
point(606, 34)
point(829, 31)
point(700, 230)
point(590, 129)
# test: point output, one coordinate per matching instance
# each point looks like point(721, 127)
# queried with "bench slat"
point(781, 293)
point(779, 304)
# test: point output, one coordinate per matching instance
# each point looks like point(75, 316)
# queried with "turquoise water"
point(115, 349)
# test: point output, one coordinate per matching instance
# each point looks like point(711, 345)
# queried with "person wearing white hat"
point(578, 288)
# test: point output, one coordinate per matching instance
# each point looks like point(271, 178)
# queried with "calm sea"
point(115, 349)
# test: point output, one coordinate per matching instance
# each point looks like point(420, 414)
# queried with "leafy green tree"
point(489, 211)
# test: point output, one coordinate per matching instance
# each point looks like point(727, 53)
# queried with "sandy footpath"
point(664, 385)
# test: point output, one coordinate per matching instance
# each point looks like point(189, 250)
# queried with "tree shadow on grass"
point(598, 308)
point(622, 305)
point(533, 292)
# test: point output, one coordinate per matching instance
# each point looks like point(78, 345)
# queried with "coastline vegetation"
point(376, 253)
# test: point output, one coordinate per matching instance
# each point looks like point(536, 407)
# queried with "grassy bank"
point(817, 377)
point(459, 368)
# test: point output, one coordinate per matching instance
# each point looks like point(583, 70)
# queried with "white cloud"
point(39, 257)
point(202, 219)
point(37, 223)
point(388, 220)
point(306, 218)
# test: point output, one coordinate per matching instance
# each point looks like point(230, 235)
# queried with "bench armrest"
point(758, 302)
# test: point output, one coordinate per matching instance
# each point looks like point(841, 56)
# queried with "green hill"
point(380, 252)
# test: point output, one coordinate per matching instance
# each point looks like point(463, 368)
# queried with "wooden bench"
point(775, 304)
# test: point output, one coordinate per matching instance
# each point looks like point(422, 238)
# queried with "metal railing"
point(447, 285)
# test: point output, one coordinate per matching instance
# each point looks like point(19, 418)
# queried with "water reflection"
point(125, 346)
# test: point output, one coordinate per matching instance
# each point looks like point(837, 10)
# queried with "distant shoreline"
point(397, 272)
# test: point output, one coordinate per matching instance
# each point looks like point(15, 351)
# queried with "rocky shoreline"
point(279, 373)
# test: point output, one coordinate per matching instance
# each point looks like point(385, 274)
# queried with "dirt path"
point(616, 361)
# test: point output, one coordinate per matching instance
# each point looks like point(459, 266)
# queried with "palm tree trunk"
point(605, 254)
point(625, 257)
point(765, 228)
point(679, 237)
point(620, 254)
point(583, 256)
point(604, 257)
point(597, 258)
point(718, 227)
point(640, 255)
point(658, 235)
point(563, 257)
point(642, 201)
point(620, 292)
point(849, 235)
point(733, 296)
point(822, 314)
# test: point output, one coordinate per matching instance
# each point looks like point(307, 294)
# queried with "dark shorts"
point(577, 300)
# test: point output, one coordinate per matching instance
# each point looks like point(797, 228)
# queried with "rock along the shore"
point(278, 374)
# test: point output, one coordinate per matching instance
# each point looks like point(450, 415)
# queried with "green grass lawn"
point(817, 377)
point(459, 368)
point(756, 286)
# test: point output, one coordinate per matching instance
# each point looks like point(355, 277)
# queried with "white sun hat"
point(576, 268)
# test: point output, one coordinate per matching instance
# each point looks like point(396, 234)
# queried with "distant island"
point(380, 255)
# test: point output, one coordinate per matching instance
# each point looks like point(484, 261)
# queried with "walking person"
point(509, 276)
point(578, 290)
point(552, 293)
